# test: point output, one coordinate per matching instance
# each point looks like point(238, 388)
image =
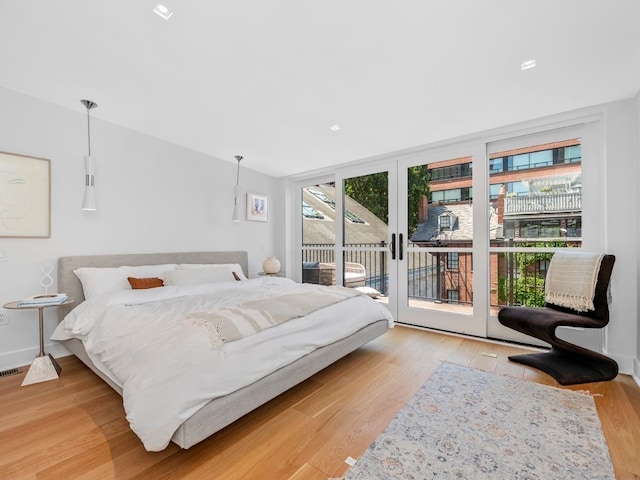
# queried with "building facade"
point(535, 199)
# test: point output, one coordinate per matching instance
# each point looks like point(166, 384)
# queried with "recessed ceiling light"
point(162, 11)
point(528, 64)
point(335, 128)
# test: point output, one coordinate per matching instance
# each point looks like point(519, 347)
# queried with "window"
point(541, 209)
point(451, 196)
point(453, 261)
point(352, 217)
point(569, 229)
point(310, 212)
point(444, 222)
point(461, 170)
point(496, 165)
point(572, 154)
point(453, 296)
point(513, 189)
point(547, 156)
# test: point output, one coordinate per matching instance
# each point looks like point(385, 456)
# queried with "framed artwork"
point(257, 207)
point(25, 196)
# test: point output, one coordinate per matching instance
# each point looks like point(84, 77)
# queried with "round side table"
point(44, 366)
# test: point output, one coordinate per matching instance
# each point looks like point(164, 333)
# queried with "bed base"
point(223, 411)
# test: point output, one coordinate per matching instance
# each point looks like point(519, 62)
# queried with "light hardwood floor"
point(74, 427)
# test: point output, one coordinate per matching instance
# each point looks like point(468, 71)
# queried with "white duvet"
point(168, 370)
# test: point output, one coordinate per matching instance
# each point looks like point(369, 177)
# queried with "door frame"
point(469, 324)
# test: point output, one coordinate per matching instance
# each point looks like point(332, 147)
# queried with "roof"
point(461, 215)
point(365, 227)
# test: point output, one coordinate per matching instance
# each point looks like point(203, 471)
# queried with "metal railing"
point(440, 276)
point(374, 262)
point(518, 278)
point(554, 202)
point(443, 276)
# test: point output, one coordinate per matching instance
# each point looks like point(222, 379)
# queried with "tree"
point(372, 192)
point(418, 186)
point(522, 283)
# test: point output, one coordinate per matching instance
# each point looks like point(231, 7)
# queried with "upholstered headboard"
point(70, 284)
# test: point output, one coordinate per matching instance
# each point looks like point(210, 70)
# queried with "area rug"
point(469, 424)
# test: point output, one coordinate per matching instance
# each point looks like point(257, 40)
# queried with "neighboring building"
point(450, 180)
point(318, 222)
point(535, 196)
point(451, 225)
point(362, 229)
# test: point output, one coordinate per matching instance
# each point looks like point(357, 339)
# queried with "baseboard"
point(625, 363)
point(636, 371)
point(23, 358)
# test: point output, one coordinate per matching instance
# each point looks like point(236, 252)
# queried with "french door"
point(374, 227)
point(545, 190)
point(440, 270)
point(447, 236)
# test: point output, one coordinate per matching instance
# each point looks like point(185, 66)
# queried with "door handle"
point(392, 245)
point(400, 247)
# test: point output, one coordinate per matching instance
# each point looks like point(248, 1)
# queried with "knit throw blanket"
point(571, 280)
point(236, 322)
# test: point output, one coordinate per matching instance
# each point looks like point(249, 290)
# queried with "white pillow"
point(100, 280)
point(97, 280)
point(194, 276)
point(235, 267)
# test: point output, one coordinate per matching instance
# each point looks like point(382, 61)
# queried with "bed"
point(207, 415)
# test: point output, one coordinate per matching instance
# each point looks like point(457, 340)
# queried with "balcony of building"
point(544, 203)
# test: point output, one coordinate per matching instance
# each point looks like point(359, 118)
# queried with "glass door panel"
point(436, 273)
point(367, 258)
point(535, 193)
point(318, 233)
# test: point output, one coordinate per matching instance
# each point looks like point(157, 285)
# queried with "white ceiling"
point(268, 78)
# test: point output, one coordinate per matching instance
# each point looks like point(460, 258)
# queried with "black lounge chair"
point(569, 364)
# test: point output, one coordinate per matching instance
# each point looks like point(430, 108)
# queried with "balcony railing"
point(441, 276)
point(553, 202)
point(375, 263)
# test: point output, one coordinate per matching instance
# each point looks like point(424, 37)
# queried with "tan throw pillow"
point(142, 283)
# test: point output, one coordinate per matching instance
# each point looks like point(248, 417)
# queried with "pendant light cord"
point(89, 129)
point(238, 157)
point(89, 105)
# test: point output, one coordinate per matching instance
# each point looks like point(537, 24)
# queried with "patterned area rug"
point(469, 424)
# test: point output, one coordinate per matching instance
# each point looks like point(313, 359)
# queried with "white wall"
point(153, 196)
point(637, 235)
point(621, 227)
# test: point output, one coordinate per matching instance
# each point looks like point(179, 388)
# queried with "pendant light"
point(89, 200)
point(236, 193)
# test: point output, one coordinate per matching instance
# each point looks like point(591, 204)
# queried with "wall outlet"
point(4, 318)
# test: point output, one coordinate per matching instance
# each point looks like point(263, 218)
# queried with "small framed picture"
point(257, 207)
